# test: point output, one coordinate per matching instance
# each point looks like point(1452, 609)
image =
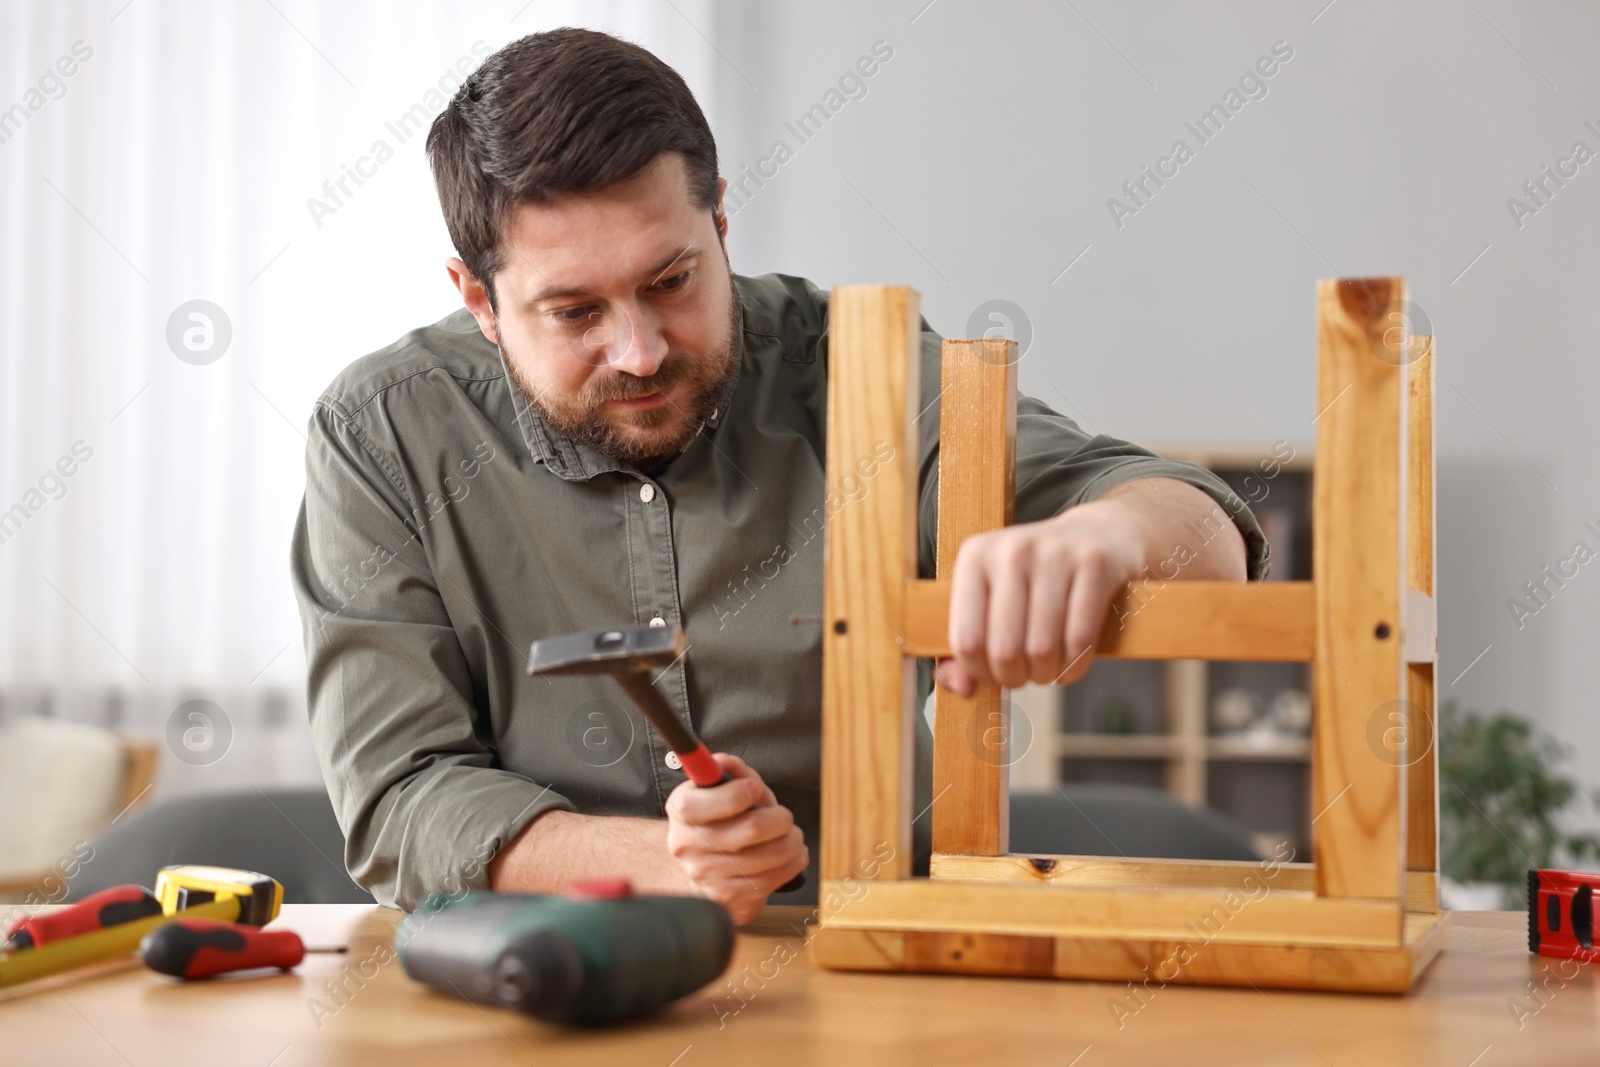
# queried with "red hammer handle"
point(701, 768)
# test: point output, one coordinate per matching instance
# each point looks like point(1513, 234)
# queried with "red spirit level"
point(1561, 914)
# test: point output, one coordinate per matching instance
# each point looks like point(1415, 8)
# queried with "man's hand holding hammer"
point(734, 841)
point(713, 844)
point(726, 837)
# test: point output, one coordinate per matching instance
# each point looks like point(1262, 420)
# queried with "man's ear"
point(475, 297)
point(720, 215)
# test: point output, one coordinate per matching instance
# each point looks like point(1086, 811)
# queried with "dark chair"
point(1122, 820)
point(287, 834)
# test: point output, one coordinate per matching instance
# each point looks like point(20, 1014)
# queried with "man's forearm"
point(1185, 530)
point(561, 847)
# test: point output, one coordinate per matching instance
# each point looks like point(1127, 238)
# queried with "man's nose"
point(637, 345)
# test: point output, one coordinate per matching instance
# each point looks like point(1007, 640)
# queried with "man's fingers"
point(746, 897)
point(951, 675)
point(699, 805)
point(793, 857)
point(1087, 602)
point(1010, 568)
point(738, 869)
point(744, 878)
point(747, 831)
point(968, 620)
point(738, 768)
point(1045, 646)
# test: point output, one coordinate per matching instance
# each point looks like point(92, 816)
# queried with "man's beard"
point(582, 419)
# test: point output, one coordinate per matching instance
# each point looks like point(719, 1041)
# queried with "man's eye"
point(677, 281)
point(573, 316)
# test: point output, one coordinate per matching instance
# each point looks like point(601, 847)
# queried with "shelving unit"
point(1169, 740)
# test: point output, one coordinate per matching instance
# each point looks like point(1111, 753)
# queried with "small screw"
point(1381, 631)
point(839, 626)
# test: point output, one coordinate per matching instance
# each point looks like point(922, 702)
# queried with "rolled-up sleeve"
point(404, 749)
point(1059, 466)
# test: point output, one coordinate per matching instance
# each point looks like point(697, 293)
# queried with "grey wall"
point(982, 157)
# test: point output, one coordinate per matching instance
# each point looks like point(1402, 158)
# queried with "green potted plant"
point(1501, 802)
point(1117, 717)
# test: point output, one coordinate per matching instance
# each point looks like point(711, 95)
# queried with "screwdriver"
point(201, 948)
point(109, 907)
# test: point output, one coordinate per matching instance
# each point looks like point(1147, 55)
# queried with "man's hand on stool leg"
point(1028, 602)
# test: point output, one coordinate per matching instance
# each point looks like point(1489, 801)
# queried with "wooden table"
point(792, 1013)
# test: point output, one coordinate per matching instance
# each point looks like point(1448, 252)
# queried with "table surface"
point(1474, 1008)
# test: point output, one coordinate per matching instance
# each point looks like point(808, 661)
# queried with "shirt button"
point(658, 621)
point(674, 762)
point(647, 492)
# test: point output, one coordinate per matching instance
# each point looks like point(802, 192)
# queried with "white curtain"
point(160, 152)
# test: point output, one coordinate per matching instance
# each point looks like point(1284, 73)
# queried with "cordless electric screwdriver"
point(597, 955)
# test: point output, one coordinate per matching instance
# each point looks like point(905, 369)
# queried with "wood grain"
point(1420, 541)
point(977, 492)
point(1269, 914)
point(1249, 621)
point(1150, 962)
point(1357, 833)
point(1422, 890)
point(868, 687)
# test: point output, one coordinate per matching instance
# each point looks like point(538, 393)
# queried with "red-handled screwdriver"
point(109, 907)
point(201, 948)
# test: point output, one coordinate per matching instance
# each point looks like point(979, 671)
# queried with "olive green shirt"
point(445, 527)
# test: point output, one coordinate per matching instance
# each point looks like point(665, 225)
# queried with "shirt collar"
point(573, 461)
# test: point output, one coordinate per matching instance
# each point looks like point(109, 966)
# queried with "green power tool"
point(597, 955)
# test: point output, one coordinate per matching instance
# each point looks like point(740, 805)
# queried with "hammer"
point(628, 653)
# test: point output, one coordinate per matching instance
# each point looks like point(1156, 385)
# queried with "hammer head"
point(614, 650)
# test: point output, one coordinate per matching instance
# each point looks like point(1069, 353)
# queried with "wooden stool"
point(1364, 915)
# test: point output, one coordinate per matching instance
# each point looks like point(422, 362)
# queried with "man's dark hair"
point(564, 111)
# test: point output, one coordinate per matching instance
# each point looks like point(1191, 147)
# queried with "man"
point(617, 429)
